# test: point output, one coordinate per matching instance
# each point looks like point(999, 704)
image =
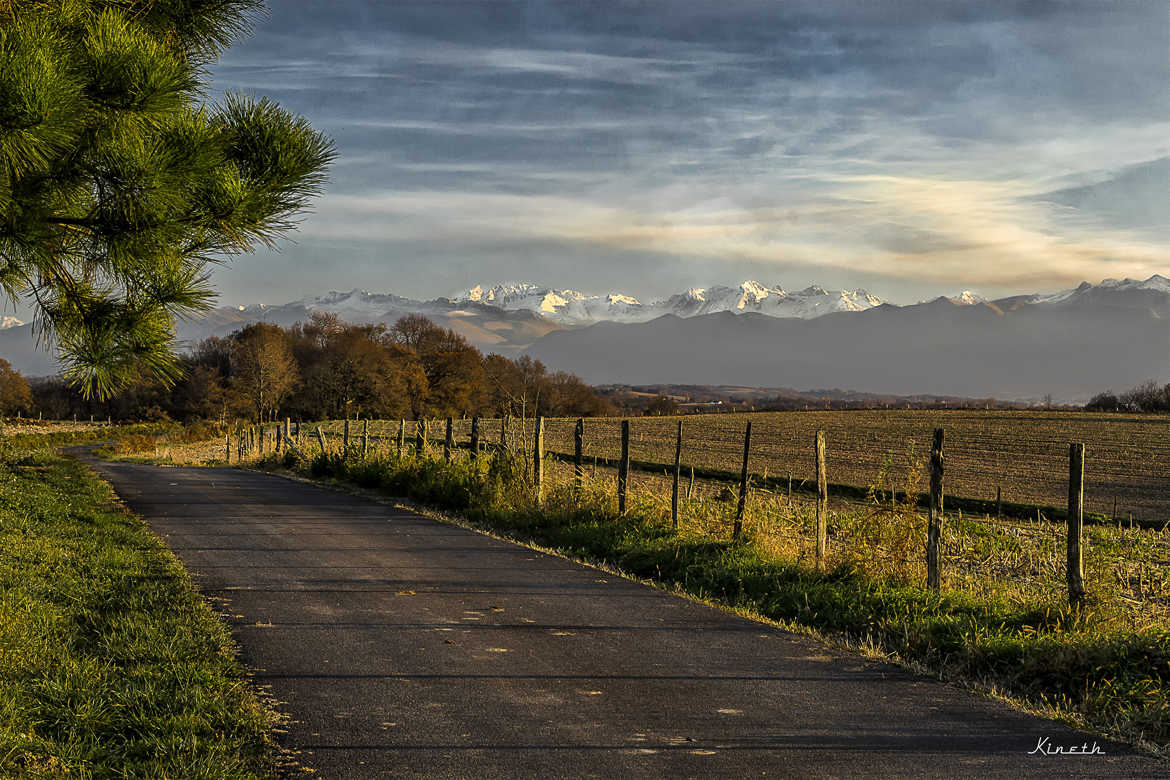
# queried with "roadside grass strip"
point(111, 664)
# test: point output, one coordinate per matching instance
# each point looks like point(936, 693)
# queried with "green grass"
point(111, 664)
point(1001, 623)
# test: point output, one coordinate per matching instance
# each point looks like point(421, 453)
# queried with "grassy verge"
point(110, 663)
point(1106, 667)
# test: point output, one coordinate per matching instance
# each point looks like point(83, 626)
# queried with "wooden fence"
point(286, 436)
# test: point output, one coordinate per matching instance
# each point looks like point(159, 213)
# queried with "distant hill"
point(1069, 345)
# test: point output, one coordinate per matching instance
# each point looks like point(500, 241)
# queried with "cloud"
point(946, 145)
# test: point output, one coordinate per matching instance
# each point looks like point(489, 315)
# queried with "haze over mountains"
point(1068, 344)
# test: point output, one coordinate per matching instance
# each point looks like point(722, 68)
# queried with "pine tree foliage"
point(120, 182)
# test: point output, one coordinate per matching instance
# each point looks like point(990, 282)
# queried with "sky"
point(644, 146)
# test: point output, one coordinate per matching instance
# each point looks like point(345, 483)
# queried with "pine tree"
point(120, 183)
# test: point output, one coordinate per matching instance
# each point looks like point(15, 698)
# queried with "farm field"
point(1022, 453)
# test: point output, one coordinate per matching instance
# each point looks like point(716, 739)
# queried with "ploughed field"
point(1022, 453)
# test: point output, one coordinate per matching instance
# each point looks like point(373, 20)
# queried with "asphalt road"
point(401, 646)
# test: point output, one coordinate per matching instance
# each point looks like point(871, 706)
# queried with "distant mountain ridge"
point(570, 307)
point(1069, 343)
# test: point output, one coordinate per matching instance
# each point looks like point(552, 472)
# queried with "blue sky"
point(909, 148)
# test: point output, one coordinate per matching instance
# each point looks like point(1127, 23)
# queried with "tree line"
point(325, 368)
point(1146, 397)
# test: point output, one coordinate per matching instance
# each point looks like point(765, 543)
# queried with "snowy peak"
point(1123, 292)
point(571, 307)
point(968, 298)
point(9, 322)
point(563, 306)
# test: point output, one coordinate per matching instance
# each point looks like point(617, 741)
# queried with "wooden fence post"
point(624, 467)
point(401, 435)
point(579, 453)
point(321, 440)
point(420, 436)
point(743, 482)
point(538, 460)
point(345, 436)
point(1076, 506)
point(504, 433)
point(935, 517)
point(449, 439)
point(260, 440)
point(475, 437)
point(227, 447)
point(677, 474)
point(822, 502)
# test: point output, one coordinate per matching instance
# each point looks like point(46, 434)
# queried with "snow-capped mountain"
point(1073, 343)
point(9, 322)
point(570, 307)
point(564, 306)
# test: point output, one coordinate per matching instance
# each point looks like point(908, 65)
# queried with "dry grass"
point(1023, 453)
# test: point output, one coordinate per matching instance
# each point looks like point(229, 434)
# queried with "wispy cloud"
point(909, 145)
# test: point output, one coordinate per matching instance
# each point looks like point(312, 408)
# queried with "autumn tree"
point(263, 369)
point(120, 184)
point(355, 369)
point(15, 395)
point(454, 370)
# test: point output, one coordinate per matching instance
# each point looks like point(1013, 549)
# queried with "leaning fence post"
point(935, 517)
point(691, 484)
point(420, 436)
point(822, 502)
point(449, 439)
point(579, 453)
point(677, 474)
point(624, 467)
point(743, 482)
point(474, 437)
point(1076, 506)
point(538, 460)
point(321, 440)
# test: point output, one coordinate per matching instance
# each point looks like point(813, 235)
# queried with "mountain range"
point(1068, 344)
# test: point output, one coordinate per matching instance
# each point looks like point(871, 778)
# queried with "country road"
point(403, 647)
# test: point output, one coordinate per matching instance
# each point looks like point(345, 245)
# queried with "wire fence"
point(1019, 457)
point(879, 468)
